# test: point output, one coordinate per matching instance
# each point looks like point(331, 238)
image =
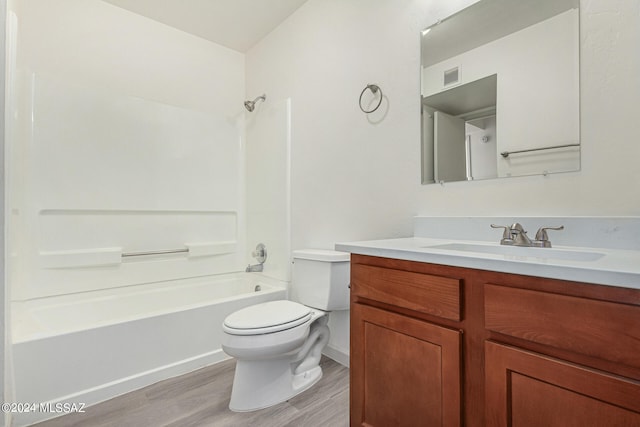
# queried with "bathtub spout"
point(256, 268)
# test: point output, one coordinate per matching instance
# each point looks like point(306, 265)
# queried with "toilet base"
point(264, 383)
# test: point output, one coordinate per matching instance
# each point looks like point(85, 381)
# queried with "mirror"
point(500, 91)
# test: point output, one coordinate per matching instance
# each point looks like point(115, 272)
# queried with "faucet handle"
point(543, 237)
point(506, 235)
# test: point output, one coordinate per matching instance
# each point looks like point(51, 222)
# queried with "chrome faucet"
point(515, 235)
point(519, 235)
point(255, 268)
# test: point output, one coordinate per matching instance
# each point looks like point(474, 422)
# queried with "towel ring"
point(374, 89)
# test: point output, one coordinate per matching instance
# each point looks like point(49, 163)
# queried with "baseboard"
point(339, 355)
point(116, 388)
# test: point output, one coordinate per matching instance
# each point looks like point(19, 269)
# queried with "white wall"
point(344, 163)
point(94, 42)
point(356, 177)
point(352, 176)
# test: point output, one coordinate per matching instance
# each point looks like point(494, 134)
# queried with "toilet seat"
point(267, 318)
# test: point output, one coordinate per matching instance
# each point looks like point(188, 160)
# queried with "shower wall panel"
point(108, 174)
point(268, 155)
point(125, 137)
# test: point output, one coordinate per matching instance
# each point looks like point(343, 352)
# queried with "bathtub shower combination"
point(106, 300)
point(130, 208)
point(90, 347)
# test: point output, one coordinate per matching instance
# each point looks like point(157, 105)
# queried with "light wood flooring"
point(201, 399)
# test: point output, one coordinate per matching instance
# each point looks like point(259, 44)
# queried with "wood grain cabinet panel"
point(601, 329)
point(404, 371)
point(435, 345)
point(526, 389)
point(424, 293)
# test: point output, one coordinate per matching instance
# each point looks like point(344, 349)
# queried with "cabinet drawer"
point(600, 329)
point(424, 293)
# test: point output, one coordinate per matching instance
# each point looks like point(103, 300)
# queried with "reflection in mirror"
point(500, 91)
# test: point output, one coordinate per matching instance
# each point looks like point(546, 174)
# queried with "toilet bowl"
point(278, 344)
point(276, 358)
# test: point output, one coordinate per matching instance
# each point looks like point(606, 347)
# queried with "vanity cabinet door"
point(528, 389)
point(404, 371)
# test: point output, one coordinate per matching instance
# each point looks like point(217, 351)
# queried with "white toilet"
point(278, 344)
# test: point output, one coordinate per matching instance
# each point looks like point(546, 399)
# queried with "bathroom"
point(337, 173)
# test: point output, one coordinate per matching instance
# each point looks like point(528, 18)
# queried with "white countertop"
point(617, 267)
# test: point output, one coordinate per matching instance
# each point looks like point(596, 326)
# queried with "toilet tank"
point(321, 278)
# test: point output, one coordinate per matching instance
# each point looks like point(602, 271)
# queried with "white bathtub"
point(86, 348)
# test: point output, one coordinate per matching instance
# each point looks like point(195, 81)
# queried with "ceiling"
point(236, 24)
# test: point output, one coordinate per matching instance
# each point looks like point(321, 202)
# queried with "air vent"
point(451, 76)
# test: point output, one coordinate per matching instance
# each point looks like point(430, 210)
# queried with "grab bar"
point(506, 154)
point(161, 252)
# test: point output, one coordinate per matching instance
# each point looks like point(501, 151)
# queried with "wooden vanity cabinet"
point(433, 345)
point(405, 364)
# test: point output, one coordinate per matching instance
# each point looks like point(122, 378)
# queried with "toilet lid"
point(265, 318)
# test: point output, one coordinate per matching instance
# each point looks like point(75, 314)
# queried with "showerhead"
point(251, 105)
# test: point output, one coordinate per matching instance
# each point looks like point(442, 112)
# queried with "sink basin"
point(518, 251)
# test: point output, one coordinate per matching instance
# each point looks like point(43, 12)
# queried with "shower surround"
point(126, 200)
